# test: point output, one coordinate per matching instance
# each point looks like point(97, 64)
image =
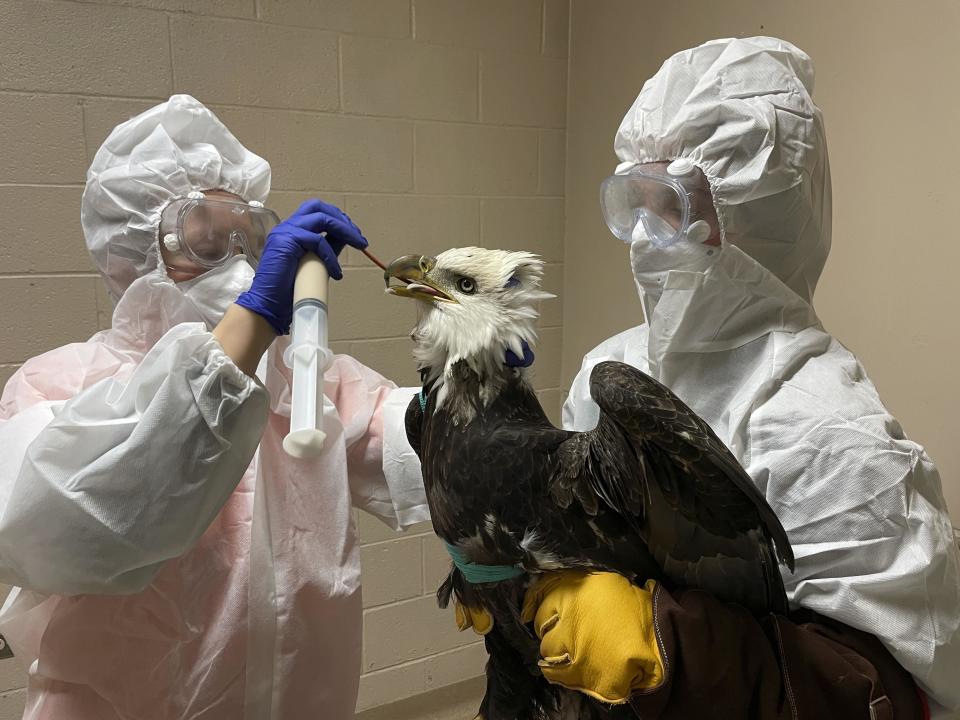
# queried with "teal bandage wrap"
point(476, 573)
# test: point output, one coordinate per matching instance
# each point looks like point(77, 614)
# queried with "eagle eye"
point(467, 285)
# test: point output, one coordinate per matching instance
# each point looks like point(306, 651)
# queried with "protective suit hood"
point(165, 152)
point(741, 110)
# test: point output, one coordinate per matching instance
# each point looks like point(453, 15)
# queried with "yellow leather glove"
point(479, 619)
point(596, 633)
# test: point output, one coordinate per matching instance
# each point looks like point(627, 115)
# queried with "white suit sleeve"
point(580, 412)
point(888, 565)
point(99, 490)
point(384, 471)
point(401, 466)
point(864, 511)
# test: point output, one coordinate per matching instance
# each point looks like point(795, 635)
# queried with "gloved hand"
point(596, 633)
point(271, 294)
point(477, 618)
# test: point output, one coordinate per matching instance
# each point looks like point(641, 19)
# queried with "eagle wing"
point(657, 463)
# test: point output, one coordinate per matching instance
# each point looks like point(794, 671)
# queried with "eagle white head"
point(475, 305)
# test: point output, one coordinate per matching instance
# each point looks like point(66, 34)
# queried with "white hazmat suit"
point(172, 561)
point(733, 332)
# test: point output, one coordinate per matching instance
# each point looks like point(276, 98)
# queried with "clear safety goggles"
point(671, 204)
point(208, 231)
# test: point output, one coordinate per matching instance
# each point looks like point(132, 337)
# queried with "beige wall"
point(885, 78)
point(434, 123)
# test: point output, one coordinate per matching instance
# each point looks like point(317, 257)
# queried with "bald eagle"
point(650, 492)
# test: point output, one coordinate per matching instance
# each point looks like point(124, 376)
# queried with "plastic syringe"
point(308, 357)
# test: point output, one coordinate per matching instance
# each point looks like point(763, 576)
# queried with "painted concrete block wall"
point(433, 123)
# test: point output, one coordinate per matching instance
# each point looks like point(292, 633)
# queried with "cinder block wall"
point(434, 123)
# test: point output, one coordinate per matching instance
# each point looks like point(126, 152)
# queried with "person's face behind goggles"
point(670, 200)
point(202, 231)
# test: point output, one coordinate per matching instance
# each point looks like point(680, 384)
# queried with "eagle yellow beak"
point(414, 272)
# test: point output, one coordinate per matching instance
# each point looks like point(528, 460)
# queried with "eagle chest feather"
point(488, 471)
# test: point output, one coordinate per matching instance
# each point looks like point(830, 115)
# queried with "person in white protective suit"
point(727, 290)
point(171, 561)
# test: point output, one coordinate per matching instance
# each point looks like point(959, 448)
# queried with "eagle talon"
point(477, 618)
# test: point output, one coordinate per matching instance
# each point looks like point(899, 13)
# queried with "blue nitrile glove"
point(271, 294)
